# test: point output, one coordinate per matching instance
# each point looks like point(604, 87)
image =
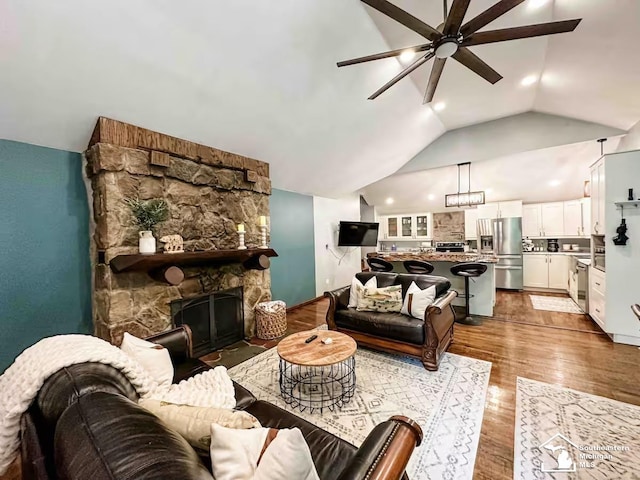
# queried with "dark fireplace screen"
point(216, 319)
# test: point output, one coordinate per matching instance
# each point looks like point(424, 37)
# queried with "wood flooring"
point(553, 347)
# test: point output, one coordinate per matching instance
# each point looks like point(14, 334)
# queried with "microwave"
point(598, 255)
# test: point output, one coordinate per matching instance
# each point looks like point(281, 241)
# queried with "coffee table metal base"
point(317, 388)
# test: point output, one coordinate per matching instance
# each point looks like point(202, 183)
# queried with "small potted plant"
point(147, 214)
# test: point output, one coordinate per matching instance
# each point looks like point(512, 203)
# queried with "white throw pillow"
point(154, 358)
point(194, 423)
point(416, 301)
point(235, 455)
point(357, 290)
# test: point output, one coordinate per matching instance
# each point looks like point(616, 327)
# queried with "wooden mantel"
point(167, 266)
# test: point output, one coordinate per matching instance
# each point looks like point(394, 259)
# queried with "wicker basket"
point(271, 319)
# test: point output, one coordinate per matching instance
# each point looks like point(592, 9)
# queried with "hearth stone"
point(207, 194)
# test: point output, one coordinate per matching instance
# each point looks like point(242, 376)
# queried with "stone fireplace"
point(208, 192)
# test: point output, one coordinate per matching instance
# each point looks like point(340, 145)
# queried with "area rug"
point(555, 304)
point(567, 434)
point(448, 405)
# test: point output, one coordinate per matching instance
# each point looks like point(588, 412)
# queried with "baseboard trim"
point(626, 339)
point(303, 304)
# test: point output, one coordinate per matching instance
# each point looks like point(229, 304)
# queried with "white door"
point(510, 209)
point(535, 270)
point(572, 218)
point(488, 210)
point(585, 203)
point(531, 221)
point(559, 272)
point(423, 226)
point(552, 219)
point(601, 197)
point(595, 194)
point(471, 224)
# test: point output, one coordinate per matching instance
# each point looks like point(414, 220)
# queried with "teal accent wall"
point(45, 272)
point(293, 272)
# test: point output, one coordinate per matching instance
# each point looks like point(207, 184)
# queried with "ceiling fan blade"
point(404, 18)
point(434, 78)
point(391, 53)
point(488, 16)
point(402, 74)
point(455, 17)
point(538, 30)
point(467, 58)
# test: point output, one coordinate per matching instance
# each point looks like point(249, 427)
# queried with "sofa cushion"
point(386, 299)
point(423, 281)
point(108, 437)
point(391, 326)
point(330, 454)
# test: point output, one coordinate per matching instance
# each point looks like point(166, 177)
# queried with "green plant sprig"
point(148, 213)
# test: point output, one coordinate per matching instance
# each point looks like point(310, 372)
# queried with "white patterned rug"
point(448, 405)
point(555, 304)
point(566, 434)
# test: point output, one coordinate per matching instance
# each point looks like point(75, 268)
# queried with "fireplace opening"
point(216, 319)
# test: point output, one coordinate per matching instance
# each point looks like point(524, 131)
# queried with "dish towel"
point(21, 382)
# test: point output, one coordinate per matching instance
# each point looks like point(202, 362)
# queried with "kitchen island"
point(482, 289)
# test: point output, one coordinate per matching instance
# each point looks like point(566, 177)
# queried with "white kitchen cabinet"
point(471, 224)
point(531, 221)
point(545, 271)
point(406, 227)
point(500, 209)
point(597, 292)
point(558, 272)
point(552, 219)
point(573, 218)
point(535, 270)
point(423, 225)
point(586, 216)
point(598, 197)
point(390, 227)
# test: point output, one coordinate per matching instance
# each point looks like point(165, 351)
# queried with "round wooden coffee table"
point(316, 375)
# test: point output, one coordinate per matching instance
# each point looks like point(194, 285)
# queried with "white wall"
point(631, 141)
point(623, 262)
point(335, 266)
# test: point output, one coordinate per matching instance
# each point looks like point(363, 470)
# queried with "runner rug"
point(567, 434)
point(448, 405)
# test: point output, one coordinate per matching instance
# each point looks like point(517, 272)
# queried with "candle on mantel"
point(263, 221)
point(241, 228)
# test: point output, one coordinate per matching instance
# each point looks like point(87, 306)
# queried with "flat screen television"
point(358, 234)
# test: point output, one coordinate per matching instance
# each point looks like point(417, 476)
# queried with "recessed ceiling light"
point(438, 107)
point(389, 201)
point(554, 183)
point(407, 55)
point(530, 80)
point(431, 196)
point(535, 4)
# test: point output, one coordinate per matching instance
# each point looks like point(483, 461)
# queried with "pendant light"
point(467, 199)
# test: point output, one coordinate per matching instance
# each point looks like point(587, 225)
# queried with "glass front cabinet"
point(406, 227)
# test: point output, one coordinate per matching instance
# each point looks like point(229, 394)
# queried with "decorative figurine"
point(173, 244)
point(621, 238)
point(242, 246)
point(630, 197)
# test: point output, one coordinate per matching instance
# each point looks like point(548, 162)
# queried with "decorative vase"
point(146, 242)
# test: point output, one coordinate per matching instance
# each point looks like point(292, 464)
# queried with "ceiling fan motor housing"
point(447, 46)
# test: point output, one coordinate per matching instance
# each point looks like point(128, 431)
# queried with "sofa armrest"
point(178, 341)
point(441, 302)
point(338, 299)
point(385, 452)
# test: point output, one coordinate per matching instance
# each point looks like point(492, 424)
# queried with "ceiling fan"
point(452, 38)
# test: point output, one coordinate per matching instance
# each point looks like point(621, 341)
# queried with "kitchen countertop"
point(436, 257)
point(571, 253)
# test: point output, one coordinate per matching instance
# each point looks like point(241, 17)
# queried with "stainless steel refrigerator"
point(506, 243)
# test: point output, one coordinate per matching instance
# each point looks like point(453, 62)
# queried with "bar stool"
point(379, 265)
point(418, 267)
point(468, 270)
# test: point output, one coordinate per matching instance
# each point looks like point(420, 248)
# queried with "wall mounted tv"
point(358, 234)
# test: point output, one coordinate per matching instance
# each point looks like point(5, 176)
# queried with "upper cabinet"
point(500, 210)
point(531, 220)
point(577, 217)
point(597, 197)
point(471, 224)
point(406, 227)
point(556, 219)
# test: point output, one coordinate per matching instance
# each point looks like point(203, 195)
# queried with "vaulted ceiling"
point(259, 78)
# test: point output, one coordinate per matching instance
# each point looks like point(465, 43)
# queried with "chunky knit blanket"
point(20, 383)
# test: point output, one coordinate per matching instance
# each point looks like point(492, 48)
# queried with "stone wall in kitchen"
point(208, 192)
point(448, 227)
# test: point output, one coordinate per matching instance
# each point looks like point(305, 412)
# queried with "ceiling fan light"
point(407, 56)
point(446, 49)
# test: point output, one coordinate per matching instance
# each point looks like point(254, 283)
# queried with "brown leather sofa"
point(426, 338)
point(85, 423)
